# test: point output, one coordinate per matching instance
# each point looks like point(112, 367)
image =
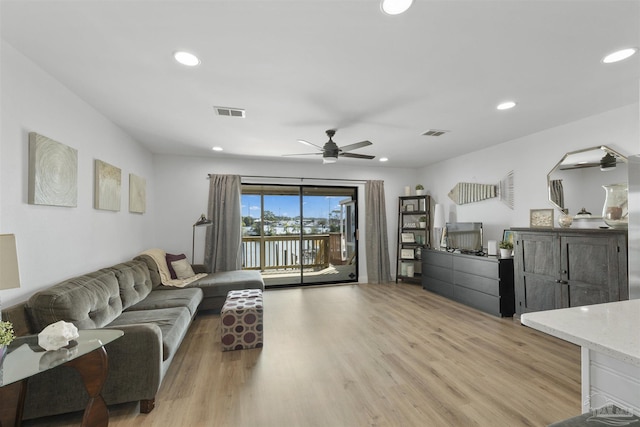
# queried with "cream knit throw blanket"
point(159, 256)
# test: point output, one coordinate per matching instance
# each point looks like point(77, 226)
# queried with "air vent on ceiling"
point(435, 132)
point(230, 112)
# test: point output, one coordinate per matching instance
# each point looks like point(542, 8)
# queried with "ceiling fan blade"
point(356, 145)
point(302, 154)
point(310, 144)
point(357, 156)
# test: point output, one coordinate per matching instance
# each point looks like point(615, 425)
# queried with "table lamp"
point(200, 222)
point(9, 273)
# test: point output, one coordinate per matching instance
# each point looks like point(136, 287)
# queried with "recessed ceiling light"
point(619, 55)
point(217, 148)
point(395, 7)
point(383, 159)
point(186, 58)
point(506, 105)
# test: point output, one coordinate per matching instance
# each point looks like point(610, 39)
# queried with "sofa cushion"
point(170, 258)
point(173, 297)
point(220, 283)
point(89, 301)
point(173, 322)
point(154, 274)
point(134, 281)
point(182, 269)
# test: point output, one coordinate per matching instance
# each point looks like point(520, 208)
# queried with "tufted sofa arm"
point(135, 359)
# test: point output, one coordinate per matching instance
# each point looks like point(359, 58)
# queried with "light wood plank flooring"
point(365, 355)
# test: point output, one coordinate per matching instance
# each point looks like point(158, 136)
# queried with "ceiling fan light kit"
point(330, 151)
point(395, 7)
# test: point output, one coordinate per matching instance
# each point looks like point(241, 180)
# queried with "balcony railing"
point(284, 252)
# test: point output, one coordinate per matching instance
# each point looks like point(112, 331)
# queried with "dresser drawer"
point(477, 266)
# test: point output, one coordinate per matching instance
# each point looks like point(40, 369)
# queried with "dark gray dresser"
point(481, 282)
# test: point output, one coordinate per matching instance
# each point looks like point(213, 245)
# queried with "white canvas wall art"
point(53, 172)
point(107, 186)
point(137, 194)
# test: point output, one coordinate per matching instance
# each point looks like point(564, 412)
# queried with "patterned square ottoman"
point(241, 320)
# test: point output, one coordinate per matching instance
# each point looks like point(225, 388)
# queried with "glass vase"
point(615, 212)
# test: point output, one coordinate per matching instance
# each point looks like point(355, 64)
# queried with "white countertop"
point(612, 328)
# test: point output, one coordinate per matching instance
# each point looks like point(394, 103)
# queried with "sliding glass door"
point(300, 235)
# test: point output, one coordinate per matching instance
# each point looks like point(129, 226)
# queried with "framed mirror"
point(576, 181)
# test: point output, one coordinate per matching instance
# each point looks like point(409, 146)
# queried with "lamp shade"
point(202, 221)
point(9, 272)
point(438, 216)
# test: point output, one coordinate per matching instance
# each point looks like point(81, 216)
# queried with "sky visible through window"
point(289, 206)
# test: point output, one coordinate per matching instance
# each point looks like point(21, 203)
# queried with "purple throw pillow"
point(170, 258)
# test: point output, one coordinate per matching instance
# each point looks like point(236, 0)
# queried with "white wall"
point(55, 243)
point(183, 190)
point(531, 158)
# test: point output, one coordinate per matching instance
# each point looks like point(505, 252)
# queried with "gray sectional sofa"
point(129, 297)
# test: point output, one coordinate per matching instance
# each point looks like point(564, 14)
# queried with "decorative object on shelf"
point(422, 221)
point(419, 190)
point(407, 254)
point(492, 248)
point(582, 214)
point(408, 238)
point(507, 236)
point(407, 190)
point(615, 212)
point(108, 181)
point(410, 270)
point(541, 218)
point(9, 271)
point(57, 335)
point(409, 207)
point(438, 225)
point(53, 172)
point(199, 223)
point(565, 220)
point(470, 192)
point(418, 253)
point(137, 194)
point(506, 249)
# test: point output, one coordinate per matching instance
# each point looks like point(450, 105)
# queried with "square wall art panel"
point(108, 183)
point(53, 172)
point(137, 194)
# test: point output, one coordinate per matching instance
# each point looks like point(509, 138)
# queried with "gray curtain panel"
point(377, 243)
point(223, 245)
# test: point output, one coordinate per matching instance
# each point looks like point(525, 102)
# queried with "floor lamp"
point(200, 222)
point(438, 225)
point(9, 272)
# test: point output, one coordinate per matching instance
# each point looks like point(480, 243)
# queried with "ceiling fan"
point(330, 151)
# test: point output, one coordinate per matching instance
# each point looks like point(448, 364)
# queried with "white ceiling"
point(300, 67)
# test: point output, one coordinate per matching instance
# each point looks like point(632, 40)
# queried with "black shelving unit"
point(413, 236)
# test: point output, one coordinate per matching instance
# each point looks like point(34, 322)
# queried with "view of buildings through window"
point(306, 229)
point(281, 214)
